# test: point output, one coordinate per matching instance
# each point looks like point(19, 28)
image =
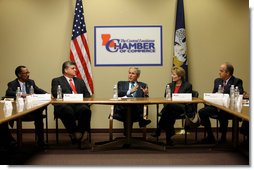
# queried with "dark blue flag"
point(180, 48)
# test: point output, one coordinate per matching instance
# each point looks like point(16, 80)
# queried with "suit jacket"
point(66, 88)
point(123, 87)
point(120, 110)
point(12, 87)
point(184, 88)
point(232, 81)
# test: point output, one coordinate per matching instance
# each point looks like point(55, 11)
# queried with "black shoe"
point(156, 133)
point(83, 142)
point(223, 141)
point(169, 142)
point(144, 122)
point(73, 140)
point(208, 140)
point(42, 145)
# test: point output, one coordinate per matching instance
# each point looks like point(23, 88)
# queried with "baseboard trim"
point(116, 130)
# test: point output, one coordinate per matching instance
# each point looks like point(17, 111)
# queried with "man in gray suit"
point(131, 88)
point(69, 113)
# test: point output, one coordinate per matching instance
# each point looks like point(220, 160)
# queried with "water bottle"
point(232, 96)
point(237, 93)
point(31, 90)
point(220, 89)
point(18, 93)
point(59, 93)
point(115, 93)
point(168, 92)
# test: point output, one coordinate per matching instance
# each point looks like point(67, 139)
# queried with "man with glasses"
point(24, 83)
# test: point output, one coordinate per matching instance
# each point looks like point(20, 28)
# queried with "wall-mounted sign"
point(128, 45)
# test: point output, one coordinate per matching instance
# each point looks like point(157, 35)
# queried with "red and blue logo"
point(128, 45)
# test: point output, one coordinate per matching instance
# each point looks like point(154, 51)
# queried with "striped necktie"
point(223, 86)
point(72, 86)
point(23, 88)
point(132, 86)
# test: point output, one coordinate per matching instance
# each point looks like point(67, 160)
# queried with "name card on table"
point(217, 98)
point(72, 97)
point(41, 97)
point(181, 97)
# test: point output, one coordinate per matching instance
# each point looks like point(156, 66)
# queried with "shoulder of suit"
point(217, 79)
point(142, 83)
point(122, 82)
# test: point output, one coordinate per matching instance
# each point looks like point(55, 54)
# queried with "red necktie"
point(223, 86)
point(72, 86)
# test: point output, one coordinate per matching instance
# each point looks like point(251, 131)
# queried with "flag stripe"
point(79, 51)
point(79, 58)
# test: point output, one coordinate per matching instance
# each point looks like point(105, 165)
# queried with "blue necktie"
point(132, 86)
point(23, 88)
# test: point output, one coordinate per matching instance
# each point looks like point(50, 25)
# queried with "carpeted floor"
point(180, 154)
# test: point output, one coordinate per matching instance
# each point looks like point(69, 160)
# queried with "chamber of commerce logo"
point(128, 45)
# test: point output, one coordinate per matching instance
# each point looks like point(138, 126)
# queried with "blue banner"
point(180, 48)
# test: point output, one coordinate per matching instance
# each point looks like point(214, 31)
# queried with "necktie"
point(132, 86)
point(23, 89)
point(72, 86)
point(223, 86)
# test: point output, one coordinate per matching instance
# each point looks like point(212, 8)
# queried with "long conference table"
point(244, 115)
point(15, 114)
point(237, 117)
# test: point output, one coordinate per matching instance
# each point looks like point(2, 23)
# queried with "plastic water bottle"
point(115, 93)
point(232, 96)
point(18, 93)
point(59, 93)
point(31, 90)
point(220, 89)
point(237, 93)
point(168, 92)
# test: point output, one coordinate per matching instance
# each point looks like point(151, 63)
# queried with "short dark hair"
point(229, 68)
point(67, 64)
point(18, 70)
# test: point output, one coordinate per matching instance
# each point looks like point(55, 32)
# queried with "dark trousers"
point(210, 111)
point(169, 114)
point(121, 111)
point(69, 113)
point(37, 117)
point(5, 134)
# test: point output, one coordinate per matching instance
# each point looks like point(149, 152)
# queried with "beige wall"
point(36, 33)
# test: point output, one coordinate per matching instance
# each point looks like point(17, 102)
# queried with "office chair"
point(110, 117)
point(45, 116)
point(57, 129)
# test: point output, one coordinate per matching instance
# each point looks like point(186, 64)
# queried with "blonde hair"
point(180, 72)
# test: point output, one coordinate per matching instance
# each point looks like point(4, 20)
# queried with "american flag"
point(79, 52)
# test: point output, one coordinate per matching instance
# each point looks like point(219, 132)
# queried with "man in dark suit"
point(131, 88)
point(69, 113)
point(24, 83)
point(226, 80)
